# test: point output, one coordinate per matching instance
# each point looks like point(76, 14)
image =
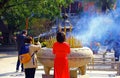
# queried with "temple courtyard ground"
point(8, 63)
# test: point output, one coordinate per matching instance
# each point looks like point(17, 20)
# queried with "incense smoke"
point(98, 26)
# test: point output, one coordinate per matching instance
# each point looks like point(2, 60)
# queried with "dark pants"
point(18, 64)
point(30, 72)
point(117, 54)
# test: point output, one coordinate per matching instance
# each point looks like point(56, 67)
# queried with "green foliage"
point(15, 12)
point(0, 33)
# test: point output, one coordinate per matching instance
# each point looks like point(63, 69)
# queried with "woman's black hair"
point(28, 39)
point(24, 31)
point(60, 37)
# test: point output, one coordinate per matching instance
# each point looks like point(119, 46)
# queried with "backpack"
point(24, 56)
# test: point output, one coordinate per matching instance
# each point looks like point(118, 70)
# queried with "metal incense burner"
point(78, 58)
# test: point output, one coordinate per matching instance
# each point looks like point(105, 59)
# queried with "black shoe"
point(22, 71)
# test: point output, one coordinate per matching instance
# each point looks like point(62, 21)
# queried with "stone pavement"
point(8, 64)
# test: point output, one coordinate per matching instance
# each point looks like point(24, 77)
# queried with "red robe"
point(61, 69)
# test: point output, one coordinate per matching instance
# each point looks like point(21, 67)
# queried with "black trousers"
point(18, 64)
point(30, 72)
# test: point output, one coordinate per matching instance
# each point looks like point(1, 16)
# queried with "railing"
point(103, 63)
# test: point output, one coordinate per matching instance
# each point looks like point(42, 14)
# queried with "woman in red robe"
point(61, 49)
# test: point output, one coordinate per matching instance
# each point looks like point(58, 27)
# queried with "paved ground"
point(8, 64)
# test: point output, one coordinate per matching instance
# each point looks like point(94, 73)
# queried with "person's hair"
point(28, 39)
point(60, 37)
point(24, 32)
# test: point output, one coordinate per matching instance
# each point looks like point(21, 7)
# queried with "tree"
point(40, 26)
point(13, 13)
